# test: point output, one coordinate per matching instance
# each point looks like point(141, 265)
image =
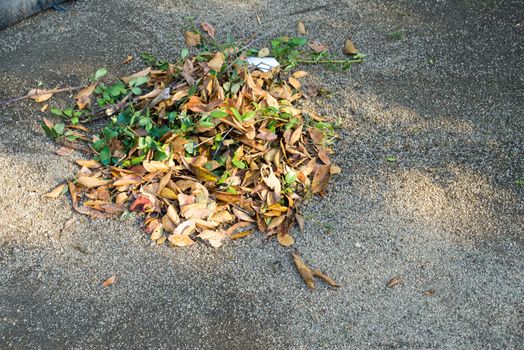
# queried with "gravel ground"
point(444, 95)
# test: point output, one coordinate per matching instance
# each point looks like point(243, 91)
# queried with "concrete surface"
point(445, 97)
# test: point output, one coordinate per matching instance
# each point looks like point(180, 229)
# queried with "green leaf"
point(236, 113)
point(298, 41)
point(56, 111)
point(290, 177)
point(59, 128)
point(136, 91)
point(206, 124)
point(184, 53)
point(248, 115)
point(100, 73)
point(138, 81)
point(391, 158)
point(218, 114)
point(238, 163)
point(105, 155)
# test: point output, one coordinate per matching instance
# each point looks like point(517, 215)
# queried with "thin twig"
point(46, 92)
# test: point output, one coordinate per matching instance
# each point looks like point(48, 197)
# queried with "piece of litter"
point(264, 64)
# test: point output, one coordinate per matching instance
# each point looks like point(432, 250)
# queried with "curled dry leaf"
point(301, 28)
point(325, 278)
point(317, 46)
point(209, 29)
point(349, 48)
point(83, 98)
point(304, 271)
point(321, 179)
point(91, 164)
point(56, 192)
point(215, 238)
point(109, 281)
point(264, 52)
point(241, 234)
point(128, 59)
point(299, 74)
point(192, 39)
point(177, 240)
point(285, 240)
point(90, 182)
point(217, 62)
point(394, 281)
point(40, 95)
point(64, 151)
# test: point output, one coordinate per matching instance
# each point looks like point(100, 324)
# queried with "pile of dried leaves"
point(205, 148)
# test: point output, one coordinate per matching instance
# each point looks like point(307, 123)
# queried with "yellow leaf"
point(157, 233)
point(203, 173)
point(91, 164)
point(154, 166)
point(168, 193)
point(56, 192)
point(40, 95)
point(299, 74)
point(241, 234)
point(294, 82)
point(286, 240)
point(217, 62)
point(335, 169)
point(90, 182)
point(180, 240)
point(264, 52)
point(83, 98)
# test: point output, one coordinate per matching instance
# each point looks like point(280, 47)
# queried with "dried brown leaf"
point(217, 62)
point(83, 98)
point(325, 278)
point(56, 192)
point(349, 48)
point(178, 240)
point(64, 151)
point(41, 95)
point(109, 281)
point(317, 46)
point(285, 240)
point(192, 39)
point(301, 29)
point(90, 182)
point(304, 271)
point(394, 281)
point(91, 164)
point(215, 238)
point(209, 29)
point(320, 179)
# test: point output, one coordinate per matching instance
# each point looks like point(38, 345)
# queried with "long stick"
point(46, 92)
